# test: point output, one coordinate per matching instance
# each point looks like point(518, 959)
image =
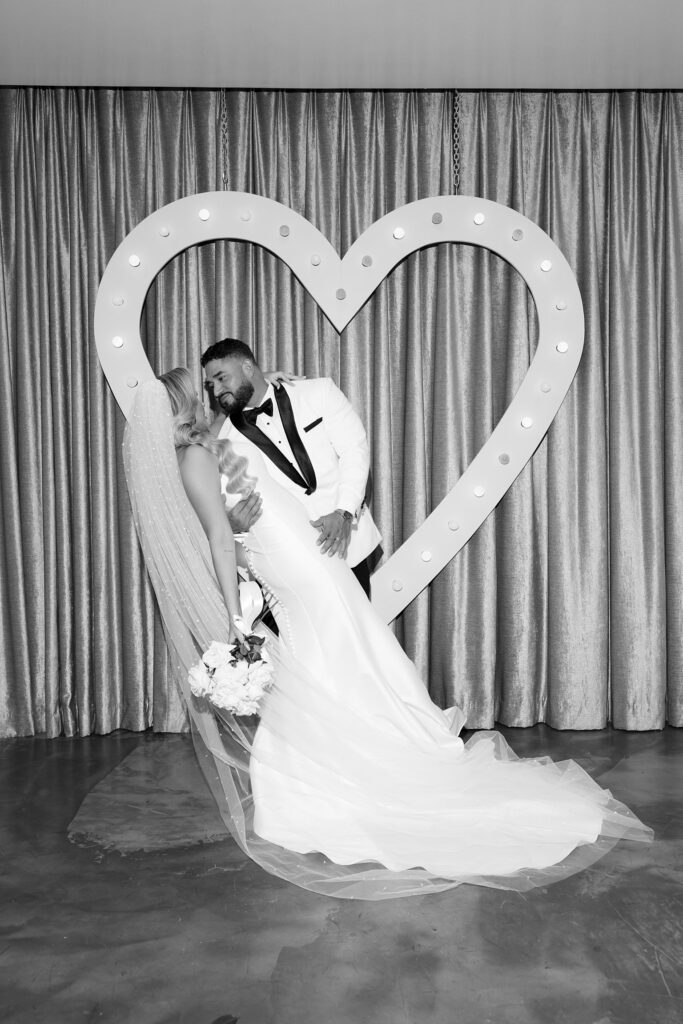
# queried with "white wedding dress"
point(353, 761)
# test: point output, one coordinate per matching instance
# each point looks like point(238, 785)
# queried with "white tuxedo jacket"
point(337, 446)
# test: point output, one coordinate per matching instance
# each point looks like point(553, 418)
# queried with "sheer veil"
point(193, 614)
point(179, 564)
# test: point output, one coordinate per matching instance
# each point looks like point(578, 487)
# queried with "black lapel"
point(268, 447)
point(296, 444)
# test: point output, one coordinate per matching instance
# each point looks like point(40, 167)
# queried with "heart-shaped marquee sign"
point(341, 287)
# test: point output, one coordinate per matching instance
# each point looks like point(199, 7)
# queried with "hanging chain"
point(224, 136)
point(456, 142)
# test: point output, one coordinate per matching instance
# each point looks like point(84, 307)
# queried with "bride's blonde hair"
point(189, 427)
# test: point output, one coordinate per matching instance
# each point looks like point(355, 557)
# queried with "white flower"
point(260, 675)
point(218, 655)
point(229, 681)
point(200, 680)
point(234, 675)
point(226, 696)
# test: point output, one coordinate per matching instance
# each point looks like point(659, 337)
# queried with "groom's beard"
point(238, 400)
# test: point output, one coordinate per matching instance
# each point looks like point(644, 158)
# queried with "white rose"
point(246, 707)
point(239, 673)
point(225, 695)
point(260, 675)
point(218, 655)
point(200, 680)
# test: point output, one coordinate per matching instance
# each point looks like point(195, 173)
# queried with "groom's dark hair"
point(228, 348)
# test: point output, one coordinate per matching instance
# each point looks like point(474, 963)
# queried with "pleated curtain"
point(566, 606)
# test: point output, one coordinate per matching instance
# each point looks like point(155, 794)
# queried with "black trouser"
point(362, 574)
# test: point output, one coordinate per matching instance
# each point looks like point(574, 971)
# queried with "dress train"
point(353, 761)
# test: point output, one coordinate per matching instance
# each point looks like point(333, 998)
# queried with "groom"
point(315, 446)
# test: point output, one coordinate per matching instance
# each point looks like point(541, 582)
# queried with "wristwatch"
point(344, 512)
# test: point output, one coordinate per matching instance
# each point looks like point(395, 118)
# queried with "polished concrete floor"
point(124, 902)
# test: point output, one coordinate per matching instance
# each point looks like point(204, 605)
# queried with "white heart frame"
point(341, 287)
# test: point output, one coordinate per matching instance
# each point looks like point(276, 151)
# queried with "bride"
point(353, 783)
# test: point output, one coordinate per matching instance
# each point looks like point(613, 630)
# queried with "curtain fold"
point(566, 606)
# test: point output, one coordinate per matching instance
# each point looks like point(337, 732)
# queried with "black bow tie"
point(251, 415)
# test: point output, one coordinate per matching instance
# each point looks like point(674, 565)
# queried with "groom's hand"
point(244, 514)
point(335, 533)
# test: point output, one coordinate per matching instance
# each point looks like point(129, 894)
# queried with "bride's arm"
point(201, 479)
point(278, 377)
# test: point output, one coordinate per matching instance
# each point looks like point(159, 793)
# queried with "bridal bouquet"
point(234, 677)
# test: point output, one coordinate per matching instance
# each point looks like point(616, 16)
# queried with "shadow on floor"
point(150, 915)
